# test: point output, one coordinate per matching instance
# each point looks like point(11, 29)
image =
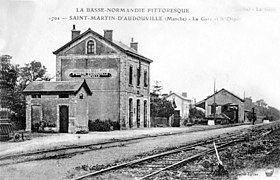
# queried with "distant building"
point(227, 105)
point(180, 103)
point(117, 75)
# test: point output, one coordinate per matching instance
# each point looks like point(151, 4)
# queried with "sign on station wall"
point(91, 73)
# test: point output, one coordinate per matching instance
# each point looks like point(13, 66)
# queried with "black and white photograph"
point(139, 90)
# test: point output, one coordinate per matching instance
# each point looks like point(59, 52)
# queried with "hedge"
point(99, 125)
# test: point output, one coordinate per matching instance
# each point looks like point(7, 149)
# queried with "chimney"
point(134, 45)
point(108, 34)
point(75, 33)
point(184, 94)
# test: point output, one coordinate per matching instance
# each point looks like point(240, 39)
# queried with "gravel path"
point(66, 167)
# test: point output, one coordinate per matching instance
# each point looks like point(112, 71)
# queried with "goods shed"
point(224, 104)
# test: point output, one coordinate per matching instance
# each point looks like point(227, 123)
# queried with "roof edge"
point(103, 38)
point(178, 96)
point(226, 91)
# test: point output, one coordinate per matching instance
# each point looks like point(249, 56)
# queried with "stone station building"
point(60, 105)
point(117, 76)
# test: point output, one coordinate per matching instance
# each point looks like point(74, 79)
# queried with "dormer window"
point(90, 47)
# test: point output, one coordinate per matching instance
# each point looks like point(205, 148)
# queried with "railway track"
point(166, 160)
point(147, 167)
point(69, 151)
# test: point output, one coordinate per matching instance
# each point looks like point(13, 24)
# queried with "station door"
point(63, 119)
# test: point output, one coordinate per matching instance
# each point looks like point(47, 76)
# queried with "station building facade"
point(117, 75)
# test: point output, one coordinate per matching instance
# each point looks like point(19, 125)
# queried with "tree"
point(32, 72)
point(156, 89)
point(196, 113)
point(7, 80)
point(159, 107)
point(13, 99)
point(16, 79)
point(262, 109)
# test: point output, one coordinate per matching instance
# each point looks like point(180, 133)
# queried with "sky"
point(241, 53)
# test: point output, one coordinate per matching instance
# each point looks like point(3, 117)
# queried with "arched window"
point(90, 47)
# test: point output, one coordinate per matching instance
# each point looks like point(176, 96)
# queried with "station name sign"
point(91, 73)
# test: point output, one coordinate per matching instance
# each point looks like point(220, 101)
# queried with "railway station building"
point(225, 105)
point(62, 106)
point(117, 77)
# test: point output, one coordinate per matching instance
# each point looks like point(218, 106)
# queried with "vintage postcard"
point(131, 89)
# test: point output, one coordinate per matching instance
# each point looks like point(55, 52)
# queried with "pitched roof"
point(46, 87)
point(181, 97)
point(122, 47)
point(217, 93)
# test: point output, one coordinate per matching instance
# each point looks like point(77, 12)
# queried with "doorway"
point(36, 114)
point(63, 119)
point(176, 122)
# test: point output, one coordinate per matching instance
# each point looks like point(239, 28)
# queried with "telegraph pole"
point(214, 100)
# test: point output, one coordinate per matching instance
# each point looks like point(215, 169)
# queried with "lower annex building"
point(110, 81)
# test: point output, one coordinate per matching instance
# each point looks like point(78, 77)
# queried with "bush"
point(115, 125)
point(50, 124)
point(107, 125)
point(98, 125)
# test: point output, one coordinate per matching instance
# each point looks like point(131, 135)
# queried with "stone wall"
point(134, 92)
point(110, 95)
point(49, 110)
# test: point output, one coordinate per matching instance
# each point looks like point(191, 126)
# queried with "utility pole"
point(253, 109)
point(214, 100)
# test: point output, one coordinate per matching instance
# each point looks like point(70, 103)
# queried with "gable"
point(104, 47)
point(80, 46)
point(82, 91)
point(224, 97)
point(176, 96)
point(85, 88)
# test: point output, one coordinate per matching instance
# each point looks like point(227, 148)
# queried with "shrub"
point(99, 125)
point(107, 125)
point(115, 125)
point(50, 124)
